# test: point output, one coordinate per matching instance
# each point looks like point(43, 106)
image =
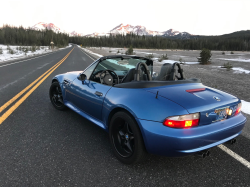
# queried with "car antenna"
point(157, 95)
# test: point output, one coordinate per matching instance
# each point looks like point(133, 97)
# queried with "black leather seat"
point(170, 72)
point(165, 73)
point(129, 76)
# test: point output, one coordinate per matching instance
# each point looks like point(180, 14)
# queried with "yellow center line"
point(28, 87)
point(19, 102)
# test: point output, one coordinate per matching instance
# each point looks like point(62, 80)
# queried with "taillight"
point(184, 121)
point(238, 109)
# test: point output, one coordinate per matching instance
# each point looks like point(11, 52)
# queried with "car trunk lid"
point(196, 97)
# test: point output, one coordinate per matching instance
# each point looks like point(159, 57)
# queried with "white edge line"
point(234, 155)
point(87, 54)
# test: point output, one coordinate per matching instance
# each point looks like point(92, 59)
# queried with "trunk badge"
point(216, 98)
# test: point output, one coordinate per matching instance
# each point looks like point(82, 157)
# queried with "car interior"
point(117, 70)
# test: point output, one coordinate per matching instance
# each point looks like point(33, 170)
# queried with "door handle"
point(66, 82)
point(98, 93)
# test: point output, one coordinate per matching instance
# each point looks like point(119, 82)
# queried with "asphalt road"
point(41, 146)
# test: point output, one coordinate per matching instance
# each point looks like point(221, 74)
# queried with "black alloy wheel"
point(123, 138)
point(126, 139)
point(56, 97)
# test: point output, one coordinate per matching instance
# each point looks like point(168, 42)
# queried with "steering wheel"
point(107, 77)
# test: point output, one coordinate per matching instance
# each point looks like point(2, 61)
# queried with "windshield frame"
point(147, 61)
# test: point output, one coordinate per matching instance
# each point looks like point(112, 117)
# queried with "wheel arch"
point(58, 78)
point(54, 80)
point(112, 113)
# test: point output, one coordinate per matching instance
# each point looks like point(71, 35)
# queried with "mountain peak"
point(122, 28)
point(43, 25)
point(142, 30)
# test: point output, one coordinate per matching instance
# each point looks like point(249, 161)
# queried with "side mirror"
point(82, 77)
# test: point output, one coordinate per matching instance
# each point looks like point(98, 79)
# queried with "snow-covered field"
point(235, 59)
point(236, 69)
point(171, 61)
point(15, 52)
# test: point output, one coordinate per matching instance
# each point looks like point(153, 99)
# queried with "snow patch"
point(180, 56)
point(235, 54)
point(145, 53)
point(240, 70)
point(20, 54)
point(236, 69)
point(173, 61)
point(235, 59)
point(245, 107)
point(191, 62)
point(91, 52)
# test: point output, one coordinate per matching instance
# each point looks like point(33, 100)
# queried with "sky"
point(199, 17)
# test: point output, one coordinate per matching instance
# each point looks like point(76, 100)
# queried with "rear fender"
point(140, 104)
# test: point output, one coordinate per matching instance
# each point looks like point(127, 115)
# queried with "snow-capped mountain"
point(96, 34)
point(141, 30)
point(49, 26)
point(120, 29)
point(74, 33)
point(126, 29)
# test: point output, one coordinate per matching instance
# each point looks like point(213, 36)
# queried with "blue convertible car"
point(163, 114)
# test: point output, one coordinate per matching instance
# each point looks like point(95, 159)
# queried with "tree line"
point(238, 41)
point(27, 37)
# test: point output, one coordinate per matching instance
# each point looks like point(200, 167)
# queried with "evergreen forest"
point(237, 41)
point(28, 37)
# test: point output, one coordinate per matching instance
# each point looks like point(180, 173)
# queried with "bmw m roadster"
point(145, 112)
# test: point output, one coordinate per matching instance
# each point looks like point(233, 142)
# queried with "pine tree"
point(130, 51)
point(205, 56)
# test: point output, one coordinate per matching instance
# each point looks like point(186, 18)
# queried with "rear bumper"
point(171, 142)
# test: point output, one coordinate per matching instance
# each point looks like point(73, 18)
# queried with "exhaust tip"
point(208, 153)
point(232, 141)
point(203, 154)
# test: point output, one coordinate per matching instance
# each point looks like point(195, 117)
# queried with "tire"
point(126, 139)
point(55, 95)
